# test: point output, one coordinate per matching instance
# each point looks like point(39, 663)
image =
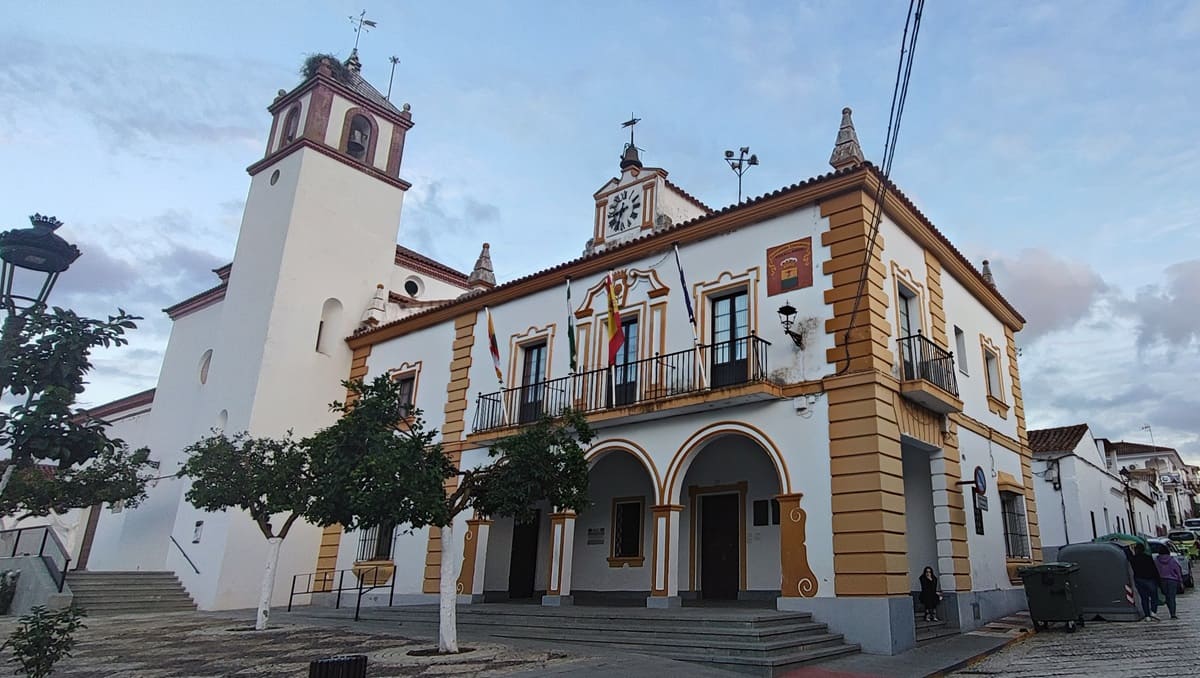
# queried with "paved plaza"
point(1106, 649)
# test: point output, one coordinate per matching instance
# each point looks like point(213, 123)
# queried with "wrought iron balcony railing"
point(920, 358)
point(695, 370)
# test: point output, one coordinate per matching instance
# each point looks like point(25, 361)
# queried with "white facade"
point(1079, 498)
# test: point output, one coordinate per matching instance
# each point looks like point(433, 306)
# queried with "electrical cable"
point(908, 44)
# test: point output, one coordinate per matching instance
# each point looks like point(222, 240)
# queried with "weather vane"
point(361, 23)
point(630, 123)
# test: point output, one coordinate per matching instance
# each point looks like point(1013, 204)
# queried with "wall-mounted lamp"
point(787, 318)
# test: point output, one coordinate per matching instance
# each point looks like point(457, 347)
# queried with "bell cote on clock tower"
point(337, 113)
point(639, 202)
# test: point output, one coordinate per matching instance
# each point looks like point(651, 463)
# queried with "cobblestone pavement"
point(197, 645)
point(1106, 649)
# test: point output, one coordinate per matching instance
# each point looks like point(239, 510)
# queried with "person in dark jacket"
point(1146, 577)
point(930, 596)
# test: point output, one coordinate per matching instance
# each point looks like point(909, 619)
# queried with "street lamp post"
point(31, 259)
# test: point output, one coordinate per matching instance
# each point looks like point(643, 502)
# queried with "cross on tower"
point(360, 23)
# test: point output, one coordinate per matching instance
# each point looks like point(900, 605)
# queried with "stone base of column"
point(558, 601)
point(664, 602)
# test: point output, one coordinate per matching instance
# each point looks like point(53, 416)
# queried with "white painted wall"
point(432, 288)
point(675, 206)
point(1087, 489)
point(988, 558)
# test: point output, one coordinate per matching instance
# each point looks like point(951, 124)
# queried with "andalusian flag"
point(493, 346)
point(616, 334)
point(571, 330)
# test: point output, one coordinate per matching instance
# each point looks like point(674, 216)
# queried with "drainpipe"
point(1062, 499)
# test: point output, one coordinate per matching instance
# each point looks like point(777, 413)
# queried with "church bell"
point(358, 142)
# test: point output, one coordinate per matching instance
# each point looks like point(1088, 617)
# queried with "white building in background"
point(1172, 483)
point(1079, 498)
point(821, 467)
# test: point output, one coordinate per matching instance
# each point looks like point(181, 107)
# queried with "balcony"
point(699, 378)
point(927, 375)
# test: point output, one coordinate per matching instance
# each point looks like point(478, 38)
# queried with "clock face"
point(625, 210)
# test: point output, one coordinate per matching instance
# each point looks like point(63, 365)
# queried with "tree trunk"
point(268, 584)
point(448, 594)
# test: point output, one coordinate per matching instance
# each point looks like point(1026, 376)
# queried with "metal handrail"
point(57, 574)
point(326, 582)
point(185, 555)
point(921, 358)
point(700, 368)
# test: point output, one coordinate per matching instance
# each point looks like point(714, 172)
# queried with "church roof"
point(1060, 439)
point(367, 91)
point(437, 269)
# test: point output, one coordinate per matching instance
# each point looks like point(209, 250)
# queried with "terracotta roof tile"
point(430, 266)
point(1061, 439)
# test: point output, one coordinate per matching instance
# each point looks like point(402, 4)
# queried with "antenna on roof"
point(361, 23)
point(395, 60)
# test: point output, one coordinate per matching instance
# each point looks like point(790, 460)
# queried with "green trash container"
point(1052, 590)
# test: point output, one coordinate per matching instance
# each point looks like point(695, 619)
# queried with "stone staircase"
point(758, 642)
point(930, 630)
point(108, 593)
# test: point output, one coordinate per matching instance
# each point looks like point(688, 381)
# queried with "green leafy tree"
point(44, 361)
point(375, 467)
point(269, 478)
point(43, 638)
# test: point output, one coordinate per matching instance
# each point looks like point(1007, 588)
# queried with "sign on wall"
point(595, 535)
point(789, 266)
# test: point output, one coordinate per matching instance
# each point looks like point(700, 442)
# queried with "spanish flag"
point(493, 346)
point(616, 335)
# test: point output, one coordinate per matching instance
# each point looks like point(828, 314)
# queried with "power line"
point(908, 45)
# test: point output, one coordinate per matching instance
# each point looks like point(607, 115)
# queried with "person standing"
point(1170, 578)
point(930, 596)
point(1146, 578)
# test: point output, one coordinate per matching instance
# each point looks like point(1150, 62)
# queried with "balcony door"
point(730, 339)
point(625, 371)
point(533, 378)
point(907, 308)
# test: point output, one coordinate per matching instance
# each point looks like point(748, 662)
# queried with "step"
point(673, 636)
point(122, 588)
point(617, 626)
point(779, 665)
point(107, 610)
point(536, 617)
point(652, 643)
point(925, 635)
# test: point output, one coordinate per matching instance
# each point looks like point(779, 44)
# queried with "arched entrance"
point(725, 481)
point(613, 537)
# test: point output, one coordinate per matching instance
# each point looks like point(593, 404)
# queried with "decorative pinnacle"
point(987, 274)
point(483, 275)
point(353, 63)
point(846, 151)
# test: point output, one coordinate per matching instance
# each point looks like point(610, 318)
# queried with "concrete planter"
point(374, 572)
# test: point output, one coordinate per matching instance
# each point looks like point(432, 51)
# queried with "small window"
point(407, 389)
point(331, 318)
point(766, 512)
point(291, 125)
point(1094, 535)
point(205, 363)
point(960, 344)
point(375, 543)
point(412, 287)
point(1016, 532)
point(627, 529)
point(991, 364)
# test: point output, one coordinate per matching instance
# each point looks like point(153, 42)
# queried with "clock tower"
point(639, 202)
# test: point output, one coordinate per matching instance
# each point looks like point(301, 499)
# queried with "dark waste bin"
point(342, 666)
point(1053, 593)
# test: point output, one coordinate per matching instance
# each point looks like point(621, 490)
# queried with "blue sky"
point(1057, 139)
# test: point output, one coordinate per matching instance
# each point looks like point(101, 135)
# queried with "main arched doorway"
point(727, 480)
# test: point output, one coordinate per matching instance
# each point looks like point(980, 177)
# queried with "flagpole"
point(571, 346)
point(494, 349)
point(692, 320)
